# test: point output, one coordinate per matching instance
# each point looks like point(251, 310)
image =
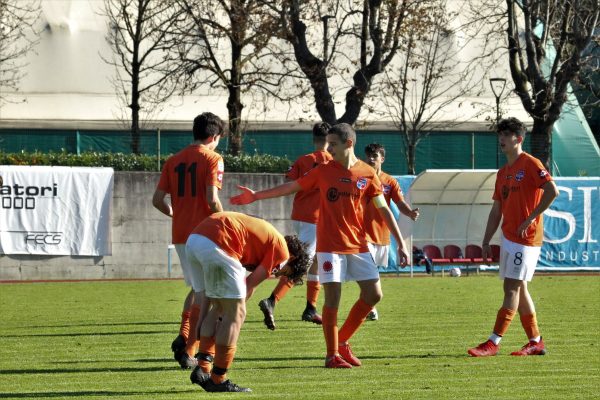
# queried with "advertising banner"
point(55, 210)
point(572, 226)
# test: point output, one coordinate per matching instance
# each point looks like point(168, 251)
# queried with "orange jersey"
point(253, 241)
point(185, 177)
point(376, 229)
point(306, 202)
point(518, 191)
point(340, 227)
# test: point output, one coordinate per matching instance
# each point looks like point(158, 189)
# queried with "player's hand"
point(524, 227)
point(402, 257)
point(486, 252)
point(286, 270)
point(246, 197)
point(414, 214)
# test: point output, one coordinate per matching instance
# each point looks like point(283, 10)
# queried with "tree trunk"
point(410, 158)
point(234, 109)
point(135, 117)
point(541, 142)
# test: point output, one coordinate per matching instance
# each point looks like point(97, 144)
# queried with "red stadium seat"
point(454, 253)
point(474, 253)
point(435, 255)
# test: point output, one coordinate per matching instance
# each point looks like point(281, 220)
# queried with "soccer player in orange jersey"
point(378, 235)
point(192, 179)
point(221, 249)
point(342, 251)
point(305, 214)
point(524, 189)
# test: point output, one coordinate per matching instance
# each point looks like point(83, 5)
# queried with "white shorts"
point(307, 233)
point(518, 261)
point(185, 264)
point(214, 271)
point(335, 267)
point(380, 254)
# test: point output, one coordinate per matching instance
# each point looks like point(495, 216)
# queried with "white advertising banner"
point(55, 210)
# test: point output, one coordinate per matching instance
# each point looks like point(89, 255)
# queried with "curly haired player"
point(220, 250)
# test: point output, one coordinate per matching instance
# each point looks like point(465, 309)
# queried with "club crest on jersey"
point(387, 189)
point(520, 175)
point(361, 183)
point(542, 173)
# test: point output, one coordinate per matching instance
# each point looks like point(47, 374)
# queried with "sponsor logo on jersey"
point(508, 177)
point(333, 194)
point(346, 180)
point(387, 189)
point(542, 173)
point(505, 192)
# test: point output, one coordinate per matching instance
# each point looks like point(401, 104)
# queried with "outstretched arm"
point(250, 196)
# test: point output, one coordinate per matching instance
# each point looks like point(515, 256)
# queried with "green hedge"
point(132, 162)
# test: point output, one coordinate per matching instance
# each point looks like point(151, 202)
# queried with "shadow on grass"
point(108, 324)
point(85, 334)
point(85, 393)
point(85, 370)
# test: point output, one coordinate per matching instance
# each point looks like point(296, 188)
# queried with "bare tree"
point(536, 30)
point(430, 76)
point(146, 63)
point(344, 43)
point(228, 46)
point(18, 37)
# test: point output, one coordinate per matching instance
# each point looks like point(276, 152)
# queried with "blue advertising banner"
point(572, 226)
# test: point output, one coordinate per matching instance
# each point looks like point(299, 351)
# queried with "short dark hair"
point(344, 131)
point(300, 260)
point(206, 125)
point(512, 125)
point(320, 130)
point(374, 148)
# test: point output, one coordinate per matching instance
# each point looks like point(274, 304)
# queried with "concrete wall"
point(141, 234)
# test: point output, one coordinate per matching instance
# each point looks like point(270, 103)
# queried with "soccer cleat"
point(199, 378)
point(336, 362)
point(373, 315)
point(310, 315)
point(177, 347)
point(485, 349)
point(531, 349)
point(187, 362)
point(346, 353)
point(226, 386)
point(267, 307)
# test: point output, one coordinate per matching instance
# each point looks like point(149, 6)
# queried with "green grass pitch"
point(111, 340)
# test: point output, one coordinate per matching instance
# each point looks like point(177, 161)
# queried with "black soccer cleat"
point(311, 315)
point(187, 362)
point(267, 307)
point(199, 378)
point(226, 386)
point(178, 347)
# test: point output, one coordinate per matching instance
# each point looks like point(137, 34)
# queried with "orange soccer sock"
point(191, 344)
point(503, 320)
point(184, 328)
point(330, 330)
point(206, 352)
point(283, 286)
point(355, 318)
point(312, 292)
point(223, 360)
point(530, 325)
